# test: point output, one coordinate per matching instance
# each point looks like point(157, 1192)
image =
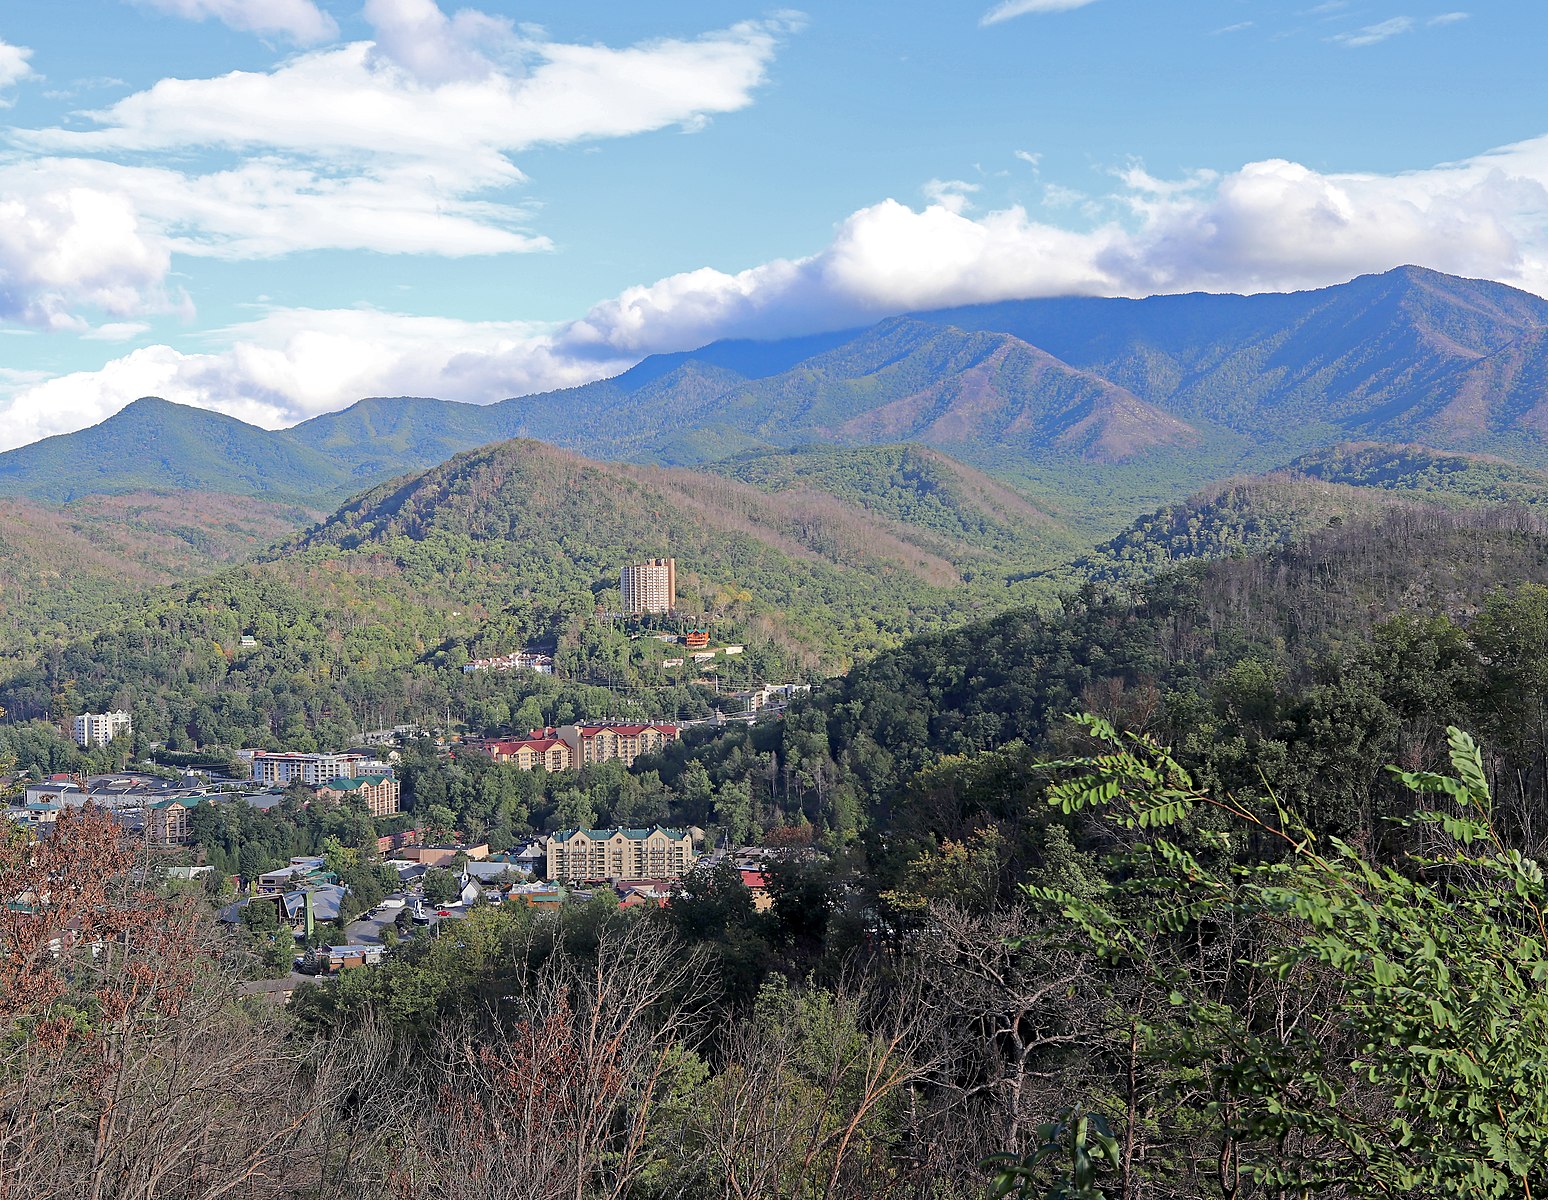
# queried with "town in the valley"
point(641, 866)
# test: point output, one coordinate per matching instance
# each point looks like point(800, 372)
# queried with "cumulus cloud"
point(401, 145)
point(436, 48)
point(1007, 9)
point(1269, 226)
point(64, 249)
point(14, 66)
point(292, 364)
point(299, 20)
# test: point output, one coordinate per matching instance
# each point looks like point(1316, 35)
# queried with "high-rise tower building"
point(650, 586)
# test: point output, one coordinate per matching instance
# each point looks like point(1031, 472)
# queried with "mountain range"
point(1062, 398)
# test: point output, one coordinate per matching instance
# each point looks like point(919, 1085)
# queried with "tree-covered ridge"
point(68, 568)
point(1352, 481)
point(1240, 516)
point(971, 391)
point(366, 619)
point(1440, 476)
point(1175, 390)
point(500, 525)
point(958, 509)
point(1321, 661)
point(1388, 356)
point(154, 445)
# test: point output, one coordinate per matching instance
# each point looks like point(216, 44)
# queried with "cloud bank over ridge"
point(1270, 226)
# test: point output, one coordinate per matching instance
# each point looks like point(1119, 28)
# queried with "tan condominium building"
point(572, 746)
point(603, 743)
point(575, 855)
point(546, 751)
point(650, 586)
point(167, 822)
point(379, 793)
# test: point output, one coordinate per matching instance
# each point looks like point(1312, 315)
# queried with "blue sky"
point(274, 207)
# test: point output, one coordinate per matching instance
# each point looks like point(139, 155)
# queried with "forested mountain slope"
point(1440, 476)
point(521, 518)
point(1315, 665)
point(1382, 355)
point(368, 616)
point(153, 445)
point(66, 569)
point(1252, 514)
point(1119, 404)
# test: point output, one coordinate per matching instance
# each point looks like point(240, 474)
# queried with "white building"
point(277, 770)
point(649, 587)
point(98, 729)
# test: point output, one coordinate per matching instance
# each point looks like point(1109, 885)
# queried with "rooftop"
point(602, 835)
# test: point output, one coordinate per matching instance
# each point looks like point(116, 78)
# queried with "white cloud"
point(403, 145)
point(293, 364)
point(1450, 18)
point(14, 66)
point(1370, 35)
point(64, 249)
point(1269, 226)
point(355, 101)
point(1007, 9)
point(950, 194)
point(299, 20)
point(266, 207)
point(436, 48)
point(1056, 195)
point(117, 331)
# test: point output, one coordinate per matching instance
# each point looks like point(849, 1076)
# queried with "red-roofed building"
point(757, 883)
point(537, 751)
point(603, 743)
point(572, 746)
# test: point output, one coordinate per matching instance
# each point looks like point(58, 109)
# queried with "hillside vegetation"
point(1102, 408)
point(68, 569)
point(367, 617)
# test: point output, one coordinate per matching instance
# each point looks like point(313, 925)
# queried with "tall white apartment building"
point(650, 586)
point(314, 769)
point(98, 729)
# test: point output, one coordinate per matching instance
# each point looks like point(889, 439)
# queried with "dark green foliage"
point(1426, 1077)
point(1439, 476)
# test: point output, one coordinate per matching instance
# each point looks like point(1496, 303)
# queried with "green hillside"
point(1439, 475)
point(1252, 514)
point(379, 438)
point(153, 445)
point(68, 569)
point(963, 513)
point(366, 618)
point(1317, 663)
point(525, 525)
point(1240, 516)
